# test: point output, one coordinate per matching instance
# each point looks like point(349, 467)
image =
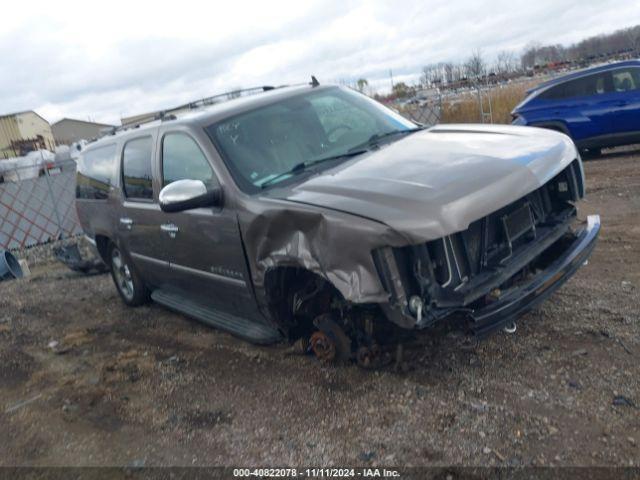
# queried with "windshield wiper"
point(374, 139)
point(303, 166)
point(357, 150)
point(350, 153)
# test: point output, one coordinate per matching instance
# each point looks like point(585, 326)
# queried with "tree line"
point(623, 42)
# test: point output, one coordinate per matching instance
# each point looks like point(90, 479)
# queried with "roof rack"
point(169, 114)
point(204, 102)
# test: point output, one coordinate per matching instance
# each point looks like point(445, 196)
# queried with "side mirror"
point(187, 194)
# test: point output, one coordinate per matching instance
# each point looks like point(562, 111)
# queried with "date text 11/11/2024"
point(317, 472)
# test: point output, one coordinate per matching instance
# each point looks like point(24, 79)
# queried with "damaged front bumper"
point(526, 296)
point(511, 302)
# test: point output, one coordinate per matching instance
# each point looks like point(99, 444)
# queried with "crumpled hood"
point(436, 182)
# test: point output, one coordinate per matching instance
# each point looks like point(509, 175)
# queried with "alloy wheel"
point(122, 274)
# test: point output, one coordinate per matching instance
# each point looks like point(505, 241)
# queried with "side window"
point(96, 172)
point(136, 168)
point(601, 86)
point(182, 159)
point(555, 93)
point(585, 86)
point(589, 85)
point(626, 79)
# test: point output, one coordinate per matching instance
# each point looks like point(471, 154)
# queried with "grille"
point(490, 242)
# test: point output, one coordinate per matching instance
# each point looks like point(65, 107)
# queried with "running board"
point(252, 331)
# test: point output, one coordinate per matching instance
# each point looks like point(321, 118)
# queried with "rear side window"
point(182, 159)
point(586, 86)
point(136, 168)
point(96, 172)
point(626, 80)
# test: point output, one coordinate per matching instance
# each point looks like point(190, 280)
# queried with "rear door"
point(625, 115)
point(592, 104)
point(584, 104)
point(96, 196)
point(205, 249)
point(140, 215)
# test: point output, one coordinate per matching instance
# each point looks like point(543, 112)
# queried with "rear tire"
point(128, 282)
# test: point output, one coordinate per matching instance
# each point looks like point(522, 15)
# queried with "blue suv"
point(598, 107)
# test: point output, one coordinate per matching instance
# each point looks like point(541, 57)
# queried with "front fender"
point(334, 245)
point(557, 125)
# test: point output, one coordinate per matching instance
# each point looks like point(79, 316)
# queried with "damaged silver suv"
point(315, 212)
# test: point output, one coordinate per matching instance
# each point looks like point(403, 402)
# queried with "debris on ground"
point(24, 266)
point(22, 404)
point(622, 401)
point(70, 256)
point(9, 266)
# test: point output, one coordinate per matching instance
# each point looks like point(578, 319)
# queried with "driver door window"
point(182, 159)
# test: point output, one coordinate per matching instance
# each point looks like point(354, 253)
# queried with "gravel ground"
point(150, 387)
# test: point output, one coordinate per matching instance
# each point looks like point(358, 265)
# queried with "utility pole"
point(391, 78)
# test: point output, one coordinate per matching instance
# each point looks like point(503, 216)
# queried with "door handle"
point(170, 228)
point(126, 222)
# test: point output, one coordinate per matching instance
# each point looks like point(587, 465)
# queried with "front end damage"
point(503, 265)
point(422, 233)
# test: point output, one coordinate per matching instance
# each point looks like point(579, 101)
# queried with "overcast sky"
point(103, 60)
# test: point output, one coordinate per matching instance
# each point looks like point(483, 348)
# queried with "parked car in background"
point(598, 107)
point(314, 212)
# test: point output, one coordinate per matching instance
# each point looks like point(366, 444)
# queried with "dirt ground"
point(149, 387)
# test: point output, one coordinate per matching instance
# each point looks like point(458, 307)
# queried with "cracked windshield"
point(274, 143)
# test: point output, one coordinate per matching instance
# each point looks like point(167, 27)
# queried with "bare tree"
point(448, 69)
point(631, 40)
point(528, 59)
point(432, 74)
point(505, 62)
point(475, 65)
point(625, 42)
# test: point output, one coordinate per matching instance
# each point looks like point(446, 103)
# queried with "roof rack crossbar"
point(167, 114)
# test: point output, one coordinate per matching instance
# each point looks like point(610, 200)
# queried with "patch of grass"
point(465, 108)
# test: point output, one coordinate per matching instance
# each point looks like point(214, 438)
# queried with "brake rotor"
point(330, 343)
point(323, 347)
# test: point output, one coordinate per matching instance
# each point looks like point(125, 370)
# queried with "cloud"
point(124, 58)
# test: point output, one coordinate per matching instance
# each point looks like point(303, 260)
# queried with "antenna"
point(314, 81)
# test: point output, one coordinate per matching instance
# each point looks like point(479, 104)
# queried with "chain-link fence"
point(469, 103)
point(37, 204)
point(426, 110)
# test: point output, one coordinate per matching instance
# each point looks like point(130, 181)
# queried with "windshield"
point(267, 145)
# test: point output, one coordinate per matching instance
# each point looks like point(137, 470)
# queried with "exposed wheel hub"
point(330, 343)
point(323, 347)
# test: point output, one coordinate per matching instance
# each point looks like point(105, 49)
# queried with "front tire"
point(130, 286)
point(590, 153)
